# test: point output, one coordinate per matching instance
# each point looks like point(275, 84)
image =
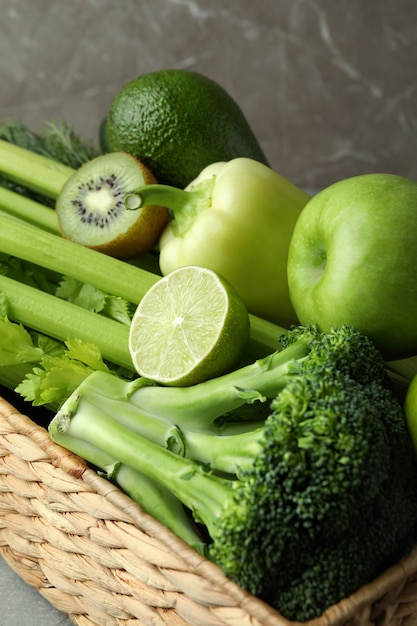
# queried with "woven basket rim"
point(259, 611)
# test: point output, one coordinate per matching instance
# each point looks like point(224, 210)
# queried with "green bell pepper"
point(236, 218)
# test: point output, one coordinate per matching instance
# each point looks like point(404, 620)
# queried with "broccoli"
point(338, 473)
point(220, 421)
point(322, 496)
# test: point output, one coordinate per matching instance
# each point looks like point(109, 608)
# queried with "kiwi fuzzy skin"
point(143, 234)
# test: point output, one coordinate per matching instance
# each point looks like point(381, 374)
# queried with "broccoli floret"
point(323, 494)
point(332, 496)
point(344, 349)
point(381, 530)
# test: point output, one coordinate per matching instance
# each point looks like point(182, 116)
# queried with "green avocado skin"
point(177, 122)
point(102, 137)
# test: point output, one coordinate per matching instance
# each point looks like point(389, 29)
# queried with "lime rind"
point(190, 326)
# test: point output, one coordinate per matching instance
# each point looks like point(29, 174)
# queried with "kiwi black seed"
point(91, 209)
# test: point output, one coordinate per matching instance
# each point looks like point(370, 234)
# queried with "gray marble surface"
point(329, 87)
point(22, 605)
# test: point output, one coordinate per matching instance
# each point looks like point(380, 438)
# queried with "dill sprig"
point(56, 140)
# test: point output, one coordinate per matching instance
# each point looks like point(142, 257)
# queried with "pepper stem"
point(185, 205)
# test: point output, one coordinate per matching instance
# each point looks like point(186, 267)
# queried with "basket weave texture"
point(96, 556)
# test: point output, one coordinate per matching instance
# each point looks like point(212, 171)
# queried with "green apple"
point(353, 260)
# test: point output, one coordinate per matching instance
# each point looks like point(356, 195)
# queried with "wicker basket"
point(96, 556)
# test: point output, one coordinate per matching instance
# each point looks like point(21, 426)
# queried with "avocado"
point(177, 122)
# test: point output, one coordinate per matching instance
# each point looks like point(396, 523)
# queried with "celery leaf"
point(57, 376)
point(94, 299)
point(80, 293)
point(86, 353)
point(16, 344)
point(54, 381)
point(27, 273)
point(118, 309)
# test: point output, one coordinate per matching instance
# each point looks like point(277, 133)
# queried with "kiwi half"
point(91, 210)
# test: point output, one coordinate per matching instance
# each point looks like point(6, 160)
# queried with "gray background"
point(329, 87)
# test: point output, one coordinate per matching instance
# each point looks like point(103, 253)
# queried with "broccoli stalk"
point(219, 421)
point(204, 420)
point(331, 472)
point(150, 495)
point(205, 493)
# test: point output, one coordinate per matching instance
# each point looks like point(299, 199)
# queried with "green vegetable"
point(42, 370)
point(111, 275)
point(57, 142)
point(198, 420)
point(61, 320)
point(323, 501)
point(38, 181)
point(29, 210)
point(66, 257)
point(158, 501)
point(237, 219)
point(37, 172)
point(150, 495)
point(31, 300)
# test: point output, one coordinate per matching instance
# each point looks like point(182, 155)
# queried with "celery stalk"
point(111, 275)
point(71, 259)
point(61, 320)
point(31, 170)
point(29, 210)
point(264, 336)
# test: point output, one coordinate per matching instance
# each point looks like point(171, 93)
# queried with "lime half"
point(190, 326)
